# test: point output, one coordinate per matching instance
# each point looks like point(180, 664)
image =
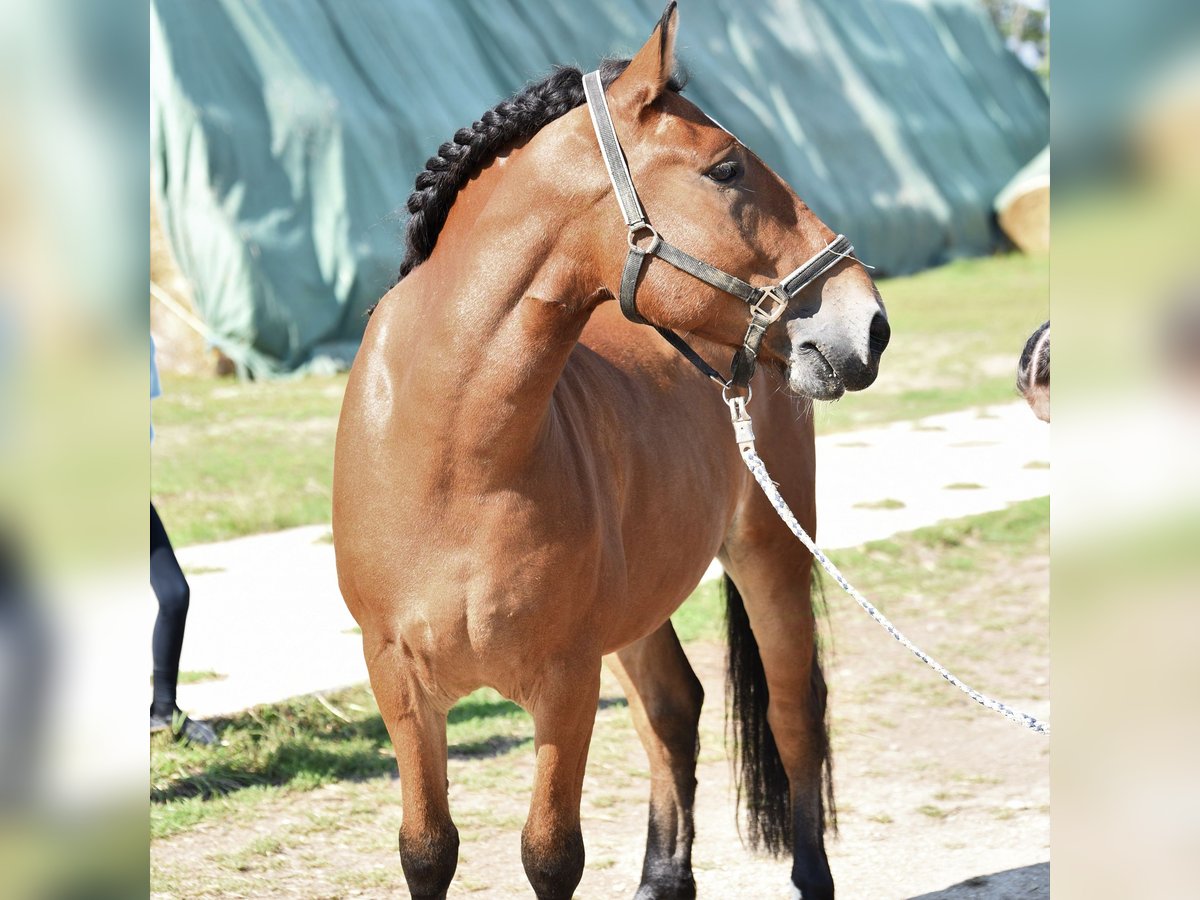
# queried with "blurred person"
point(26, 639)
point(24, 670)
point(174, 596)
point(1180, 344)
point(1033, 372)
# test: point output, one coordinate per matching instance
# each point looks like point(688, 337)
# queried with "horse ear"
point(651, 68)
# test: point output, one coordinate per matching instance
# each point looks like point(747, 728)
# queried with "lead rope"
point(743, 430)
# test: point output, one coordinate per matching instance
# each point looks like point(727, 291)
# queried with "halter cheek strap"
point(766, 304)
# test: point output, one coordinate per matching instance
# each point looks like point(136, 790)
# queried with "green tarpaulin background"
point(285, 135)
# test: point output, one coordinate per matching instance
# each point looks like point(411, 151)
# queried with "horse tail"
point(818, 706)
point(760, 779)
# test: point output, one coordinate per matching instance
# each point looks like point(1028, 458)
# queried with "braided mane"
point(512, 120)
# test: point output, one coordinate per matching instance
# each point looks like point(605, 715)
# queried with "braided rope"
point(759, 470)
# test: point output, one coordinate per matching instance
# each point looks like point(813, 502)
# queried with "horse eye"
point(725, 172)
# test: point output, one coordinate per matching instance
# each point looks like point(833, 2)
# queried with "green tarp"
point(285, 135)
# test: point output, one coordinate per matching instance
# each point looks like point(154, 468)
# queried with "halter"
point(766, 304)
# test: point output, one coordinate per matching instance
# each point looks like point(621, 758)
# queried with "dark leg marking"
point(429, 859)
point(554, 872)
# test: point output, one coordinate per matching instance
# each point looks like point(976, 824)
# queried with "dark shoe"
point(184, 728)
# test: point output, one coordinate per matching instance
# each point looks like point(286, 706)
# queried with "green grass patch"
point(940, 560)
point(1021, 527)
point(963, 486)
point(944, 586)
point(197, 677)
point(301, 744)
point(886, 503)
point(702, 615)
point(929, 572)
point(202, 570)
point(233, 458)
point(935, 561)
point(485, 724)
point(200, 677)
point(295, 745)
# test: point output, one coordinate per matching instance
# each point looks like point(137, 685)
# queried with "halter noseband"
point(766, 303)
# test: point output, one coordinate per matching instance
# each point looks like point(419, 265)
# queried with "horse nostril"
point(879, 334)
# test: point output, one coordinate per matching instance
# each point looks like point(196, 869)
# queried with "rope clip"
point(743, 427)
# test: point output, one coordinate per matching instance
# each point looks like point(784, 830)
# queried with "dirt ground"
point(938, 798)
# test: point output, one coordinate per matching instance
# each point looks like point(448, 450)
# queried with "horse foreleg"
point(564, 711)
point(665, 698)
point(417, 726)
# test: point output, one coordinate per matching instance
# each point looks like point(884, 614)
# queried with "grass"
point(302, 744)
point(200, 677)
point(234, 458)
point(702, 615)
point(299, 744)
point(934, 812)
point(281, 749)
point(918, 566)
point(886, 503)
point(202, 570)
point(929, 582)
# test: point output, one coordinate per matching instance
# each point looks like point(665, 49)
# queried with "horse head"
point(708, 194)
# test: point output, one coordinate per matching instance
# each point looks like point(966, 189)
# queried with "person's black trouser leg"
point(171, 589)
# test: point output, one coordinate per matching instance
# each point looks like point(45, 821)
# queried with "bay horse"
point(526, 483)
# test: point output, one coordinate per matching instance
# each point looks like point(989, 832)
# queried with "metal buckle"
point(743, 427)
point(638, 228)
point(758, 310)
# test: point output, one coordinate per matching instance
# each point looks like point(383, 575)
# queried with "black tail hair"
point(759, 776)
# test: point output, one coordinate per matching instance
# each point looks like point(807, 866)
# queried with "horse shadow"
point(344, 751)
point(498, 744)
point(1028, 881)
point(321, 756)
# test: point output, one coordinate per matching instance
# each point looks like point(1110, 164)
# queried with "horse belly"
point(656, 586)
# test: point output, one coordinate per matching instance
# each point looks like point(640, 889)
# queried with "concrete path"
point(267, 615)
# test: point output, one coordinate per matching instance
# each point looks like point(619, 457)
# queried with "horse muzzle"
point(827, 359)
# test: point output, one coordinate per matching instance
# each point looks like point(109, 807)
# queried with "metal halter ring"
point(781, 302)
point(725, 388)
point(638, 228)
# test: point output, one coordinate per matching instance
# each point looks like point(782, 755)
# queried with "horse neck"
point(492, 346)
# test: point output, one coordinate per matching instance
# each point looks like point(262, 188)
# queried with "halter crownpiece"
point(766, 304)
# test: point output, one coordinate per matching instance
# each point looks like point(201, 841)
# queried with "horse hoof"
point(820, 891)
point(678, 887)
